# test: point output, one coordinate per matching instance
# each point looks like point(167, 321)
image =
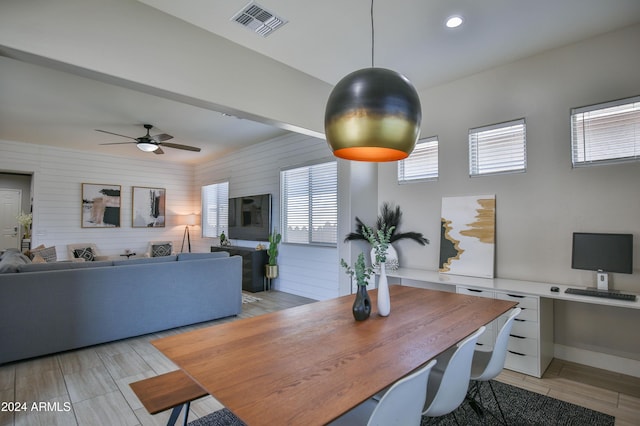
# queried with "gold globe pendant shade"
point(373, 114)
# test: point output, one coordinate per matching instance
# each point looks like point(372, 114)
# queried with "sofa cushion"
point(159, 250)
point(47, 253)
point(198, 256)
point(85, 253)
point(57, 266)
point(140, 260)
point(12, 260)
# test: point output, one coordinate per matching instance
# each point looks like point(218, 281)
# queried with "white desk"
point(529, 288)
point(531, 344)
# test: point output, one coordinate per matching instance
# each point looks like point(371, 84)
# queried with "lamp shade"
point(373, 114)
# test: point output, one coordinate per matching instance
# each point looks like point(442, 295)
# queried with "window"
point(606, 133)
point(215, 209)
point(422, 164)
point(500, 148)
point(310, 204)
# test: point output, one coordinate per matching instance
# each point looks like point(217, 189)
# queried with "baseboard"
point(608, 362)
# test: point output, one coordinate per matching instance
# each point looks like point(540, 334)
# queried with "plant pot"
point(362, 304)
point(392, 258)
point(271, 271)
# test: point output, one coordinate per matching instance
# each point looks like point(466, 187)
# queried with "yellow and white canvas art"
point(467, 235)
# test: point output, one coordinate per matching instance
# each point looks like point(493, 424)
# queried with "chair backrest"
point(499, 354)
point(402, 404)
point(448, 385)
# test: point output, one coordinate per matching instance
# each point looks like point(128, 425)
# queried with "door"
point(10, 200)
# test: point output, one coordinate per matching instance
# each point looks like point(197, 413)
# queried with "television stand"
point(253, 262)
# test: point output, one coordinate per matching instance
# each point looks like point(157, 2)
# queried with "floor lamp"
point(191, 220)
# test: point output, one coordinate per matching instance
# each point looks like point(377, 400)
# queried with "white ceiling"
point(325, 39)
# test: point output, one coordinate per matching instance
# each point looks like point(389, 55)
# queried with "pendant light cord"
point(372, 35)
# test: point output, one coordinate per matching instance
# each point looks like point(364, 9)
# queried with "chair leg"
point(497, 402)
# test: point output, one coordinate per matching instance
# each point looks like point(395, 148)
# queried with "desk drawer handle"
point(517, 337)
point(474, 290)
point(516, 296)
point(519, 320)
point(517, 353)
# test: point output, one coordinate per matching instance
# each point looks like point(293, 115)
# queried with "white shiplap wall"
point(58, 175)
point(306, 271)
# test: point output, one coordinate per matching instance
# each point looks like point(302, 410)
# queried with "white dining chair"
point(486, 365)
point(449, 379)
point(401, 404)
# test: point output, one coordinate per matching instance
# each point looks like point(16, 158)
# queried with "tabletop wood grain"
point(309, 364)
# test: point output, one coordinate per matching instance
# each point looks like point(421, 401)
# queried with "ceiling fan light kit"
point(148, 143)
point(147, 146)
point(373, 114)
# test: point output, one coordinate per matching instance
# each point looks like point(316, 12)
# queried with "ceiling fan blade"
point(158, 151)
point(162, 137)
point(117, 134)
point(117, 143)
point(178, 146)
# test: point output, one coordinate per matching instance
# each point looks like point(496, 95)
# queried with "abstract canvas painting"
point(467, 235)
point(100, 206)
point(148, 207)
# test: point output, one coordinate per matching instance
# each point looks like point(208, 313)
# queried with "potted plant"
point(390, 217)
point(25, 221)
point(271, 268)
point(362, 303)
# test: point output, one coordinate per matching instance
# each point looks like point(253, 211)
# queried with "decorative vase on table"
point(362, 304)
point(384, 301)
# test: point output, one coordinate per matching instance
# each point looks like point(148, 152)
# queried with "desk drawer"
point(522, 363)
point(522, 328)
point(526, 302)
point(476, 292)
point(523, 345)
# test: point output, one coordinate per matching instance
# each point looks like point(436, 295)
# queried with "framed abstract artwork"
point(148, 207)
point(100, 205)
point(467, 235)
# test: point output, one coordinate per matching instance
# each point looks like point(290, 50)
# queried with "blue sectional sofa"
point(49, 308)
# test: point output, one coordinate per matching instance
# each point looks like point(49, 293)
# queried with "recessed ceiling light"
point(454, 21)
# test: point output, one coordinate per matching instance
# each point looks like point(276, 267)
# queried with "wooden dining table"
point(309, 364)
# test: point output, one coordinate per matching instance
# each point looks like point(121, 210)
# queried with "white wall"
point(303, 270)
point(537, 211)
point(58, 175)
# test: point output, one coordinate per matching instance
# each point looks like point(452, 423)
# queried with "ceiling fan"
point(148, 143)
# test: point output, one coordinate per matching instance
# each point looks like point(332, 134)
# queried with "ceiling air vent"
point(258, 19)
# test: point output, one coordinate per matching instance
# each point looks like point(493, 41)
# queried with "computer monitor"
point(603, 253)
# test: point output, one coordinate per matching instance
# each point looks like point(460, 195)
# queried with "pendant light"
point(373, 114)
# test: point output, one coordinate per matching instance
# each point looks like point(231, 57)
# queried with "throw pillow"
point(159, 250)
point(38, 259)
point(84, 253)
point(47, 253)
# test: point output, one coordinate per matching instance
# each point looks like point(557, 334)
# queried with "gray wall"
point(21, 182)
point(537, 211)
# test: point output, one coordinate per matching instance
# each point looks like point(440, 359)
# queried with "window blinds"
point(215, 209)
point(310, 204)
point(498, 148)
point(422, 164)
point(606, 133)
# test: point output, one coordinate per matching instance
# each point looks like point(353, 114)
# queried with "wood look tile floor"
point(90, 386)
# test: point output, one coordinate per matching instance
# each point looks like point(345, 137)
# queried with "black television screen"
point(250, 217)
point(602, 252)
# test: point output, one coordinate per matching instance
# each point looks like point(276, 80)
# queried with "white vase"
point(384, 301)
point(391, 255)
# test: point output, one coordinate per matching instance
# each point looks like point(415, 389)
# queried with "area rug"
point(520, 407)
point(249, 299)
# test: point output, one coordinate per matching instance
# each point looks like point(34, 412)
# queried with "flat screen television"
point(602, 252)
point(250, 217)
